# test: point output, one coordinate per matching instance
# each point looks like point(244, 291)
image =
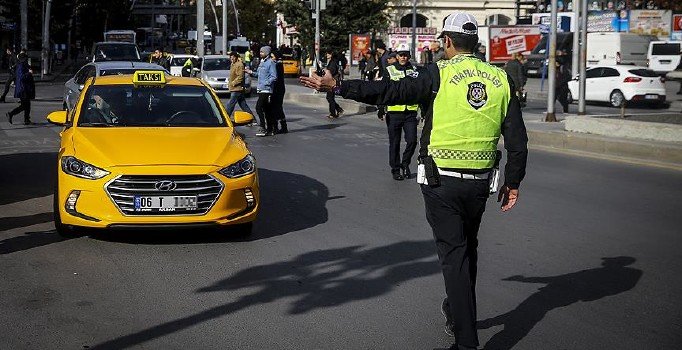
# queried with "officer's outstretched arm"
point(516, 144)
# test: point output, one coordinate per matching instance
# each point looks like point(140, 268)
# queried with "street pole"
point(223, 41)
point(317, 34)
point(236, 17)
point(414, 29)
point(45, 53)
point(576, 38)
point(200, 28)
point(551, 69)
point(583, 57)
point(24, 24)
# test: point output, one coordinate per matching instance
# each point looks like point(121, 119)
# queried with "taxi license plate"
point(651, 97)
point(165, 203)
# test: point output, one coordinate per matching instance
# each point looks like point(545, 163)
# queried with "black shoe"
point(270, 133)
point(283, 129)
point(9, 116)
point(339, 112)
point(27, 122)
point(406, 172)
point(398, 177)
point(449, 324)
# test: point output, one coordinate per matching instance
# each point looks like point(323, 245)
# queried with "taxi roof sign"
point(149, 77)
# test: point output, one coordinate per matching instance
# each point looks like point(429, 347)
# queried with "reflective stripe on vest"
point(468, 112)
point(397, 75)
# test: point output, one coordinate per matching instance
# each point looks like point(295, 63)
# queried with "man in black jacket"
point(11, 68)
point(334, 69)
point(277, 104)
point(468, 104)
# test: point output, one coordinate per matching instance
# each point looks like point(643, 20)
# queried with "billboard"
point(652, 22)
point(565, 20)
point(506, 40)
point(395, 41)
point(359, 44)
point(607, 21)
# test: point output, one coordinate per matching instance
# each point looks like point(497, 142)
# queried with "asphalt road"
point(342, 256)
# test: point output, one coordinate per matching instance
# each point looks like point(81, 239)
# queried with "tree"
point(341, 18)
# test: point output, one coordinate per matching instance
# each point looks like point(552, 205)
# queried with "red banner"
point(504, 41)
point(359, 44)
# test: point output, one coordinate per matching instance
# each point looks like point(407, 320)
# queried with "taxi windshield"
point(169, 106)
point(216, 64)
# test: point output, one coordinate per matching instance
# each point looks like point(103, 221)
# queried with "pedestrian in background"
point(278, 96)
point(426, 56)
point(24, 89)
point(267, 75)
point(382, 58)
point(161, 58)
point(401, 119)
point(362, 66)
point(334, 67)
point(479, 52)
point(11, 58)
point(437, 52)
point(517, 73)
point(236, 85)
point(563, 76)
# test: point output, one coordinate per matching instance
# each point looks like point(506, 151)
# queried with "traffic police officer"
point(468, 103)
point(401, 118)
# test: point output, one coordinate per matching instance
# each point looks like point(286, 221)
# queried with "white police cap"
point(460, 22)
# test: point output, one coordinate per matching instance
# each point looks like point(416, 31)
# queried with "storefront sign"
point(677, 27)
point(408, 30)
point(652, 22)
point(506, 40)
point(608, 21)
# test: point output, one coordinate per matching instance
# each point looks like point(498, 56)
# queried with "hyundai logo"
point(165, 185)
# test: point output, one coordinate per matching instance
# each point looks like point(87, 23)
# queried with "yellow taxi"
point(149, 150)
point(291, 64)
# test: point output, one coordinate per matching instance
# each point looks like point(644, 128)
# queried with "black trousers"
point(454, 210)
point(562, 96)
point(8, 83)
point(334, 107)
point(24, 105)
point(398, 123)
point(264, 110)
point(278, 106)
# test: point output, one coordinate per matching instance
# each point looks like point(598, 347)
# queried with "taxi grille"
point(123, 190)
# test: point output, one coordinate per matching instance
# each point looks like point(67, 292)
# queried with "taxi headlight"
point(79, 168)
point(241, 168)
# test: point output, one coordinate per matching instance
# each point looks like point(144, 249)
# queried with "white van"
point(664, 56)
point(617, 48)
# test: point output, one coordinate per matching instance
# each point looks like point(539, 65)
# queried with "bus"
point(123, 36)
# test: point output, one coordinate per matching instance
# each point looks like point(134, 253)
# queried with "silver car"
point(73, 87)
point(215, 71)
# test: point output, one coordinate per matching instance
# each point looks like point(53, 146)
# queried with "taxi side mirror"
point(57, 117)
point(242, 118)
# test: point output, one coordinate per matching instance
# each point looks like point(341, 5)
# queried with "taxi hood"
point(133, 146)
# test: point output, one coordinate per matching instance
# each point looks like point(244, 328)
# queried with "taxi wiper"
point(95, 124)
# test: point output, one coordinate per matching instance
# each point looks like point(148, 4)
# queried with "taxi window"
point(168, 106)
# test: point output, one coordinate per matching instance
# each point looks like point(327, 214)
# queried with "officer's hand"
point(508, 197)
point(320, 83)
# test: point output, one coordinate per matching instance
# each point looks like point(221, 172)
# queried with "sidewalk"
point(541, 135)
point(56, 72)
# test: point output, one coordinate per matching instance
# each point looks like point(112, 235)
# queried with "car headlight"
point(79, 168)
point(241, 168)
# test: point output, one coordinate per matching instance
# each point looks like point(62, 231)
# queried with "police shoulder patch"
point(477, 95)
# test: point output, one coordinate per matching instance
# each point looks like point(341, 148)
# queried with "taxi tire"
point(65, 231)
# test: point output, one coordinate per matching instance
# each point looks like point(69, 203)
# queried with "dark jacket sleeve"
point(415, 89)
point(516, 144)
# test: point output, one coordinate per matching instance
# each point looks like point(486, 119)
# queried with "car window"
point(83, 74)
point(169, 106)
point(216, 64)
point(644, 73)
point(593, 73)
point(609, 72)
point(667, 49)
point(119, 71)
point(116, 52)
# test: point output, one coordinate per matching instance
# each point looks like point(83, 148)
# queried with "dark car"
point(535, 61)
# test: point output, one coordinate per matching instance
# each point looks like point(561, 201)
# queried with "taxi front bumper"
point(104, 203)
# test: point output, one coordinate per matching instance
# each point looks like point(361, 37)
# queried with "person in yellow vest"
point(468, 104)
point(401, 118)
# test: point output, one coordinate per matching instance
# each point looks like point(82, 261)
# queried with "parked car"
point(664, 56)
point(178, 61)
point(605, 49)
point(215, 71)
point(619, 84)
point(114, 51)
point(74, 86)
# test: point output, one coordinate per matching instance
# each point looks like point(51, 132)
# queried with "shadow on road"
point(318, 127)
point(612, 278)
point(319, 279)
point(289, 203)
point(26, 176)
point(28, 241)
